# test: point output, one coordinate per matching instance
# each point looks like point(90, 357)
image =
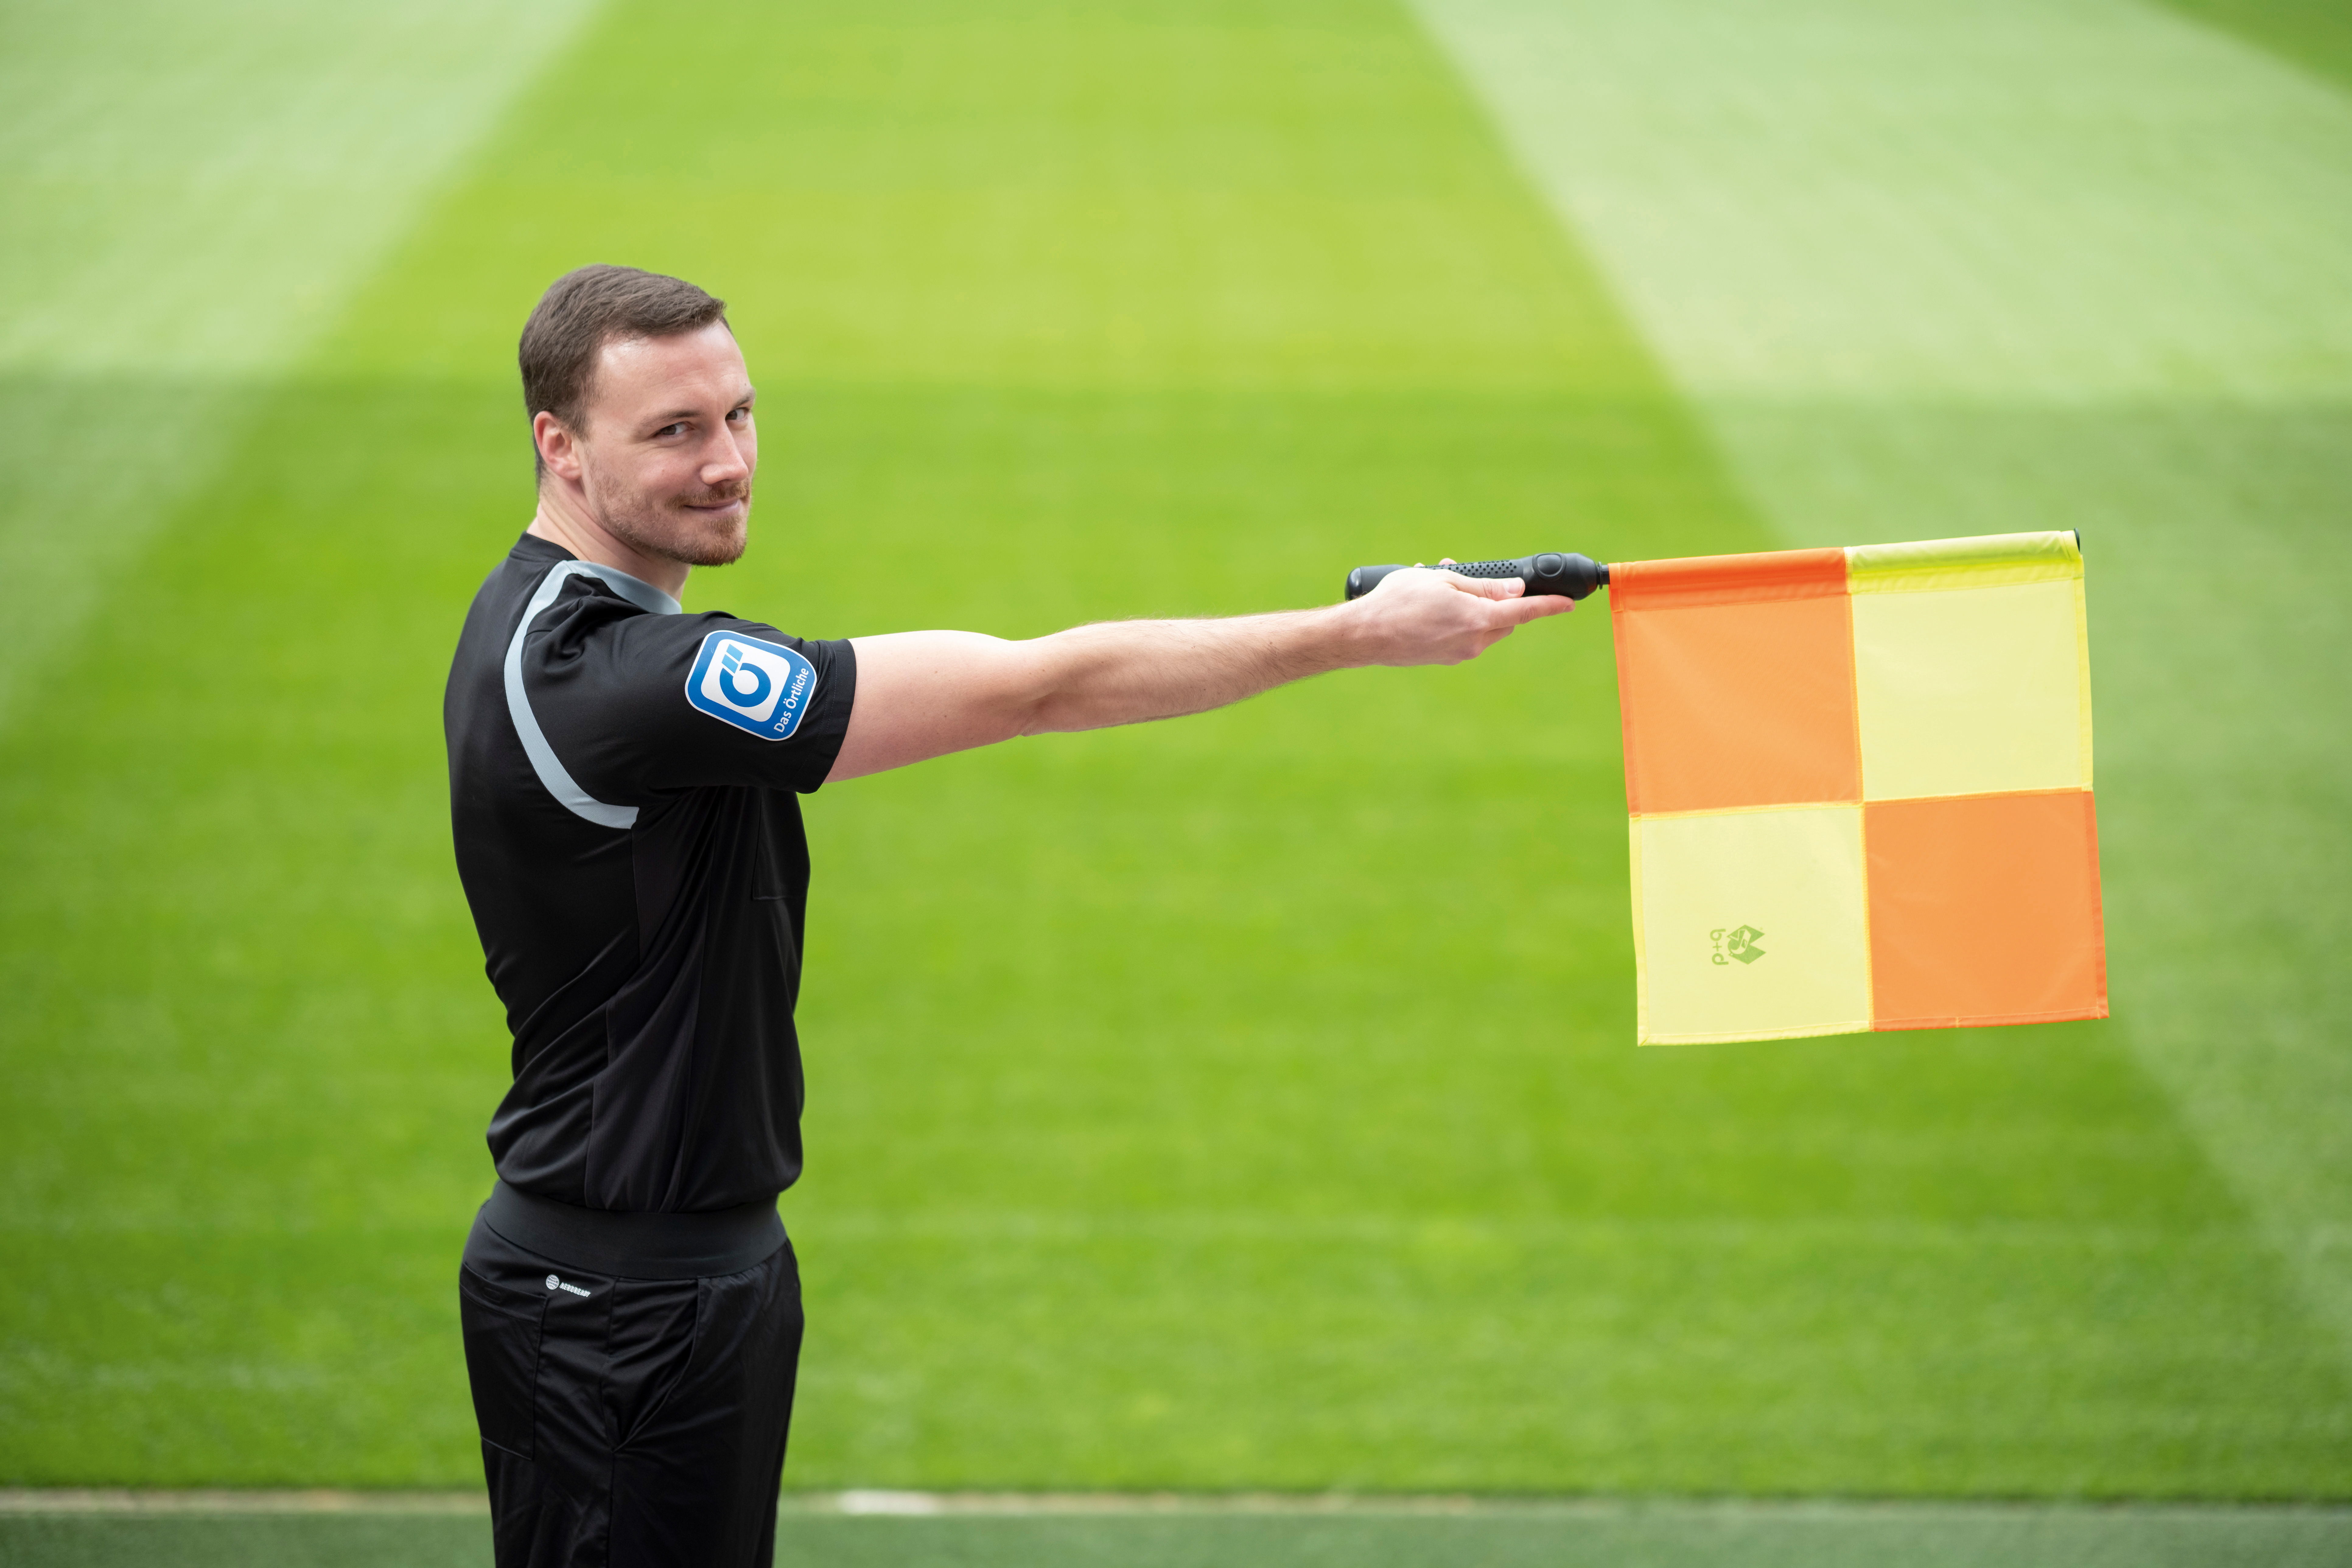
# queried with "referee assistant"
point(624, 783)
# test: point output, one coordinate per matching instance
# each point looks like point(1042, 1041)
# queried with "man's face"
point(668, 454)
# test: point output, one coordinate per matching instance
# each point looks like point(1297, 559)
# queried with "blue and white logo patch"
point(755, 686)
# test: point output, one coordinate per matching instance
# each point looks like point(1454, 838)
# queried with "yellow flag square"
point(1751, 924)
point(1973, 690)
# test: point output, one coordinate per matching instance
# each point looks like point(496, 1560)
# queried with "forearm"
point(1125, 672)
point(925, 694)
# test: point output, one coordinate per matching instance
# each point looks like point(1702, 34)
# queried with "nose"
point(725, 462)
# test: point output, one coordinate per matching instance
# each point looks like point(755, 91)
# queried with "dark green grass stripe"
point(2316, 35)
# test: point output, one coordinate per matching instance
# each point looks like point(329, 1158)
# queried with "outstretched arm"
point(925, 694)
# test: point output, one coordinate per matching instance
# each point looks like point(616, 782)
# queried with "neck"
point(564, 519)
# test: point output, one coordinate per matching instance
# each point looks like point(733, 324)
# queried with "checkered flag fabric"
point(1860, 788)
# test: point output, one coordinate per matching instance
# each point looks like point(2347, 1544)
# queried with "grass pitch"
point(1503, 1535)
point(1242, 1102)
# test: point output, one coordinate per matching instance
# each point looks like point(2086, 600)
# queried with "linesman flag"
point(1860, 788)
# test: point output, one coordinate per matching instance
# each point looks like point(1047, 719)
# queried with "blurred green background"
point(1248, 1101)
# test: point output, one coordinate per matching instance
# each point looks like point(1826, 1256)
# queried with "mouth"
point(717, 508)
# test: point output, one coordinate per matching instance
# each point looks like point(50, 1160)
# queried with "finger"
point(1534, 607)
point(1489, 587)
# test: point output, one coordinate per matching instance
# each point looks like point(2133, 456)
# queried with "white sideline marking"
point(879, 1502)
point(125, 1500)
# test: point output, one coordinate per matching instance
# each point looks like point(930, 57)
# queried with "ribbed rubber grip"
point(1552, 572)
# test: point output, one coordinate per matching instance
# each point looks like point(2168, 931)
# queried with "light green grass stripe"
point(190, 194)
point(1938, 270)
point(2017, 199)
point(193, 191)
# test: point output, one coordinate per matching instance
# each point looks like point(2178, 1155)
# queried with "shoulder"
point(756, 679)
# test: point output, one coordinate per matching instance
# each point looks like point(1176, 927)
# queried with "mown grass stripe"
point(192, 195)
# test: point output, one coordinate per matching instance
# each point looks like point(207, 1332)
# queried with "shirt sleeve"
point(636, 705)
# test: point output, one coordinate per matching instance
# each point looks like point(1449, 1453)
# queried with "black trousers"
point(629, 1422)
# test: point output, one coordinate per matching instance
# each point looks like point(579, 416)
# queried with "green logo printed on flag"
point(1738, 942)
point(1885, 753)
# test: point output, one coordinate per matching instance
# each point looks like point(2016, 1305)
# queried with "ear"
point(558, 445)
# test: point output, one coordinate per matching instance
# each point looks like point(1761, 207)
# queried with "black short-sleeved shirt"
point(622, 782)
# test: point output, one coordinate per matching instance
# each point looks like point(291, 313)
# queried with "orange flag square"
point(1984, 910)
point(1736, 682)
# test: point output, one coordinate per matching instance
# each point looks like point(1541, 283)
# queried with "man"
point(623, 785)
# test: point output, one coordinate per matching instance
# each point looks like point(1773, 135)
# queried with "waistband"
point(637, 1245)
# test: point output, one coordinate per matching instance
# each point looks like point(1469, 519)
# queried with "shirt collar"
point(636, 590)
point(641, 594)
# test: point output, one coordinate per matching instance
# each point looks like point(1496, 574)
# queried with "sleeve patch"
point(759, 688)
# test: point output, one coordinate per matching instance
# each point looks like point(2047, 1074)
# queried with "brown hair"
point(586, 308)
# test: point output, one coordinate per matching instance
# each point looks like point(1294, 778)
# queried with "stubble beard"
point(652, 526)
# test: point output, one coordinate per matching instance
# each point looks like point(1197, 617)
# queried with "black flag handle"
point(1572, 576)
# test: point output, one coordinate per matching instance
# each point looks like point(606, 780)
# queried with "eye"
point(738, 416)
point(676, 429)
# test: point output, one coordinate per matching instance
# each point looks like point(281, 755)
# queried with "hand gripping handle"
point(1572, 576)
